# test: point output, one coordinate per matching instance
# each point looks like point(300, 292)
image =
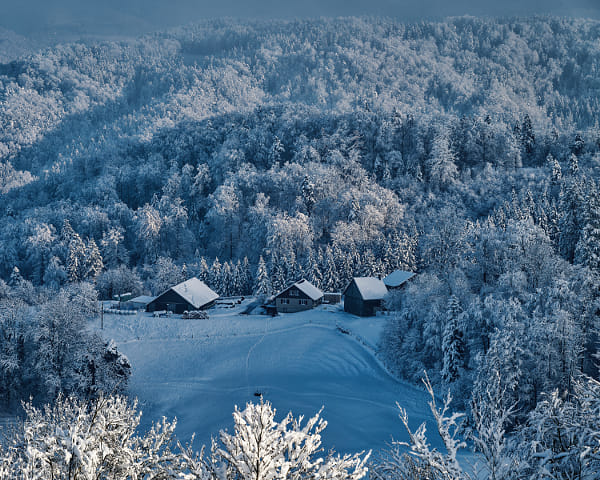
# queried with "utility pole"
point(101, 315)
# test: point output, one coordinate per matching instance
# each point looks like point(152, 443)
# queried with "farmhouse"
point(192, 294)
point(364, 296)
point(300, 296)
point(397, 279)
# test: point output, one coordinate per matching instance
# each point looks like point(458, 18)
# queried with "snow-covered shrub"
point(422, 461)
point(263, 449)
point(561, 439)
point(75, 440)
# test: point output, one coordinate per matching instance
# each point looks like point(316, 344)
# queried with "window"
point(303, 302)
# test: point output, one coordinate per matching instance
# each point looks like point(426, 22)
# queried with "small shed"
point(397, 279)
point(193, 294)
point(123, 297)
point(300, 296)
point(364, 296)
point(137, 303)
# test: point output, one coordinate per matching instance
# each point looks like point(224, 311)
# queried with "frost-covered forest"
point(251, 154)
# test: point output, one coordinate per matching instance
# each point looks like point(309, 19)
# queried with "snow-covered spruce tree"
point(93, 261)
point(264, 449)
point(72, 440)
point(76, 260)
point(262, 286)
point(453, 346)
point(571, 208)
point(587, 251)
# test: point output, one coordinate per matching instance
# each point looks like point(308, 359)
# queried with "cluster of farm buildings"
point(363, 296)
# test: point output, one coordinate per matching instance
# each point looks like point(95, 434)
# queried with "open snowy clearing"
point(198, 370)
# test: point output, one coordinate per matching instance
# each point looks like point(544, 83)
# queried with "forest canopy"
point(467, 150)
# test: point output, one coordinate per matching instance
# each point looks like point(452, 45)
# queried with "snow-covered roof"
point(196, 292)
point(370, 288)
point(145, 299)
point(397, 278)
point(309, 289)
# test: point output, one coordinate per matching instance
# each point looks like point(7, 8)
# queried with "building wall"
point(294, 300)
point(291, 305)
point(353, 305)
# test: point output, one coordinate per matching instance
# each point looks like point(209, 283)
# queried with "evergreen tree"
point(527, 137)
point(238, 278)
point(556, 169)
point(204, 271)
point(588, 247)
point(278, 273)
point(226, 280)
point(308, 194)
point(77, 267)
point(15, 277)
point(453, 346)
point(215, 278)
point(262, 285)
point(571, 204)
point(369, 265)
point(578, 145)
point(330, 278)
point(93, 261)
point(311, 268)
point(343, 266)
point(574, 165)
point(247, 278)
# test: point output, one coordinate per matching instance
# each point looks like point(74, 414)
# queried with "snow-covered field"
point(198, 370)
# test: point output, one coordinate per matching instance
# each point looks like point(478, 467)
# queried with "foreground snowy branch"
point(446, 464)
point(75, 440)
point(263, 449)
point(72, 440)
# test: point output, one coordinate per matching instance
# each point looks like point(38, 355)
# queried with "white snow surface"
point(397, 278)
point(198, 370)
point(196, 292)
point(371, 288)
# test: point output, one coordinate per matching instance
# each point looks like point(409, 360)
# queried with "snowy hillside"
point(197, 370)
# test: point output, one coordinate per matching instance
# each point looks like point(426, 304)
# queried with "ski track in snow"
point(250, 353)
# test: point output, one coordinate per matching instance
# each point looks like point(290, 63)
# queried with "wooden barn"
point(300, 296)
point(397, 279)
point(364, 296)
point(192, 294)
